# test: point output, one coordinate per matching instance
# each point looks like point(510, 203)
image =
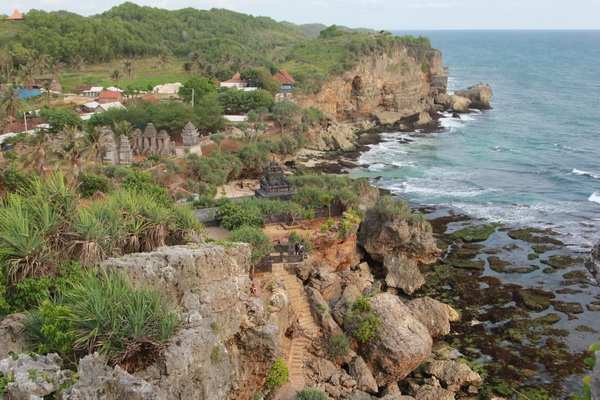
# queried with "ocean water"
point(534, 159)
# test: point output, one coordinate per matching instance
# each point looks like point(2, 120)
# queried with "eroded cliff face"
point(398, 80)
point(403, 81)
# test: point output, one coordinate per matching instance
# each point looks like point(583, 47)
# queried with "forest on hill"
point(216, 42)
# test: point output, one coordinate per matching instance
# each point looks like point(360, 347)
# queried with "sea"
point(533, 160)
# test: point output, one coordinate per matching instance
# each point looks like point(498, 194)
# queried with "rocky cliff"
point(398, 83)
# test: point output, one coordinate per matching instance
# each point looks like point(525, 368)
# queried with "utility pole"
point(192, 97)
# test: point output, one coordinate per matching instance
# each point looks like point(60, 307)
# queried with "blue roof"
point(27, 93)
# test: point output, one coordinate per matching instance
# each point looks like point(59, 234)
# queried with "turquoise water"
point(532, 160)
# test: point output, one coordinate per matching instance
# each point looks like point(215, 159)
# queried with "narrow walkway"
point(309, 332)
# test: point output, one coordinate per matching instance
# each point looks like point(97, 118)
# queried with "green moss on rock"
point(562, 261)
point(533, 299)
point(535, 236)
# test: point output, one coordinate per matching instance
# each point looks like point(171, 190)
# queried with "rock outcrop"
point(403, 274)
point(454, 375)
point(383, 234)
point(479, 95)
point(592, 262)
point(12, 340)
point(403, 344)
point(435, 315)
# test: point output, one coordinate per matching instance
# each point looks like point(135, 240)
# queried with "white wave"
point(451, 123)
point(580, 172)
point(377, 167)
point(437, 191)
point(595, 197)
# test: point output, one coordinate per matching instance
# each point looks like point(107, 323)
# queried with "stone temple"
point(274, 185)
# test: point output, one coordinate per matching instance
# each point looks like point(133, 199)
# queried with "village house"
point(109, 96)
point(237, 83)
point(93, 91)
point(285, 79)
point(55, 86)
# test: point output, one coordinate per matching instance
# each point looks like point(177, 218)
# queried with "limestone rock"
point(321, 312)
point(11, 337)
point(388, 117)
point(424, 120)
point(382, 234)
point(336, 136)
point(34, 377)
point(403, 274)
point(479, 94)
point(428, 392)
point(397, 397)
point(454, 374)
point(404, 342)
point(458, 104)
point(595, 378)
point(433, 314)
point(359, 395)
point(360, 371)
point(592, 262)
point(95, 377)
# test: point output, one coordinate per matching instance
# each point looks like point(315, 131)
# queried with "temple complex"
point(113, 154)
point(274, 185)
point(151, 142)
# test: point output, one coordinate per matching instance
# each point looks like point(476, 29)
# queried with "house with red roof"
point(110, 96)
point(237, 82)
point(285, 79)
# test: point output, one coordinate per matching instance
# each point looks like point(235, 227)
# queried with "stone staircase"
point(309, 332)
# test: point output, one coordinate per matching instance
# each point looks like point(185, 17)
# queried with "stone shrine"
point(274, 185)
point(113, 154)
point(151, 142)
point(190, 135)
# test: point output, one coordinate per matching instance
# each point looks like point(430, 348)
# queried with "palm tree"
point(122, 128)
point(10, 101)
point(71, 152)
point(40, 62)
point(195, 57)
point(26, 73)
point(188, 67)
point(47, 85)
point(129, 67)
point(78, 64)
point(38, 152)
point(116, 74)
point(94, 138)
point(56, 68)
point(164, 61)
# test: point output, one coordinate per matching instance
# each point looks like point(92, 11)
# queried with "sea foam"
point(576, 171)
point(595, 197)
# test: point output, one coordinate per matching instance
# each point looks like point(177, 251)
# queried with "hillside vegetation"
point(215, 43)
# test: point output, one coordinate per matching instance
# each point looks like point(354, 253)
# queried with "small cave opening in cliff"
point(357, 86)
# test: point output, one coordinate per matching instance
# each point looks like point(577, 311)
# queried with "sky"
point(373, 14)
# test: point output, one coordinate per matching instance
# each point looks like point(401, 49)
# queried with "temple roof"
point(16, 15)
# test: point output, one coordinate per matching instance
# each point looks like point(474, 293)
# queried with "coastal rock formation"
point(453, 375)
point(479, 95)
point(382, 234)
point(404, 342)
point(435, 315)
point(457, 104)
point(592, 262)
point(228, 339)
point(403, 274)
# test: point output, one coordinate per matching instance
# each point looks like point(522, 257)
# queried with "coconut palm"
point(122, 128)
point(57, 68)
point(26, 75)
point(40, 62)
point(95, 138)
point(71, 152)
point(129, 67)
point(10, 101)
point(79, 65)
point(36, 153)
point(47, 85)
point(116, 74)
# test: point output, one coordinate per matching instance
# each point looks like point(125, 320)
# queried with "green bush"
point(90, 184)
point(278, 374)
point(362, 321)
point(259, 242)
point(367, 329)
point(233, 216)
point(310, 394)
point(209, 202)
point(104, 313)
point(361, 304)
point(338, 345)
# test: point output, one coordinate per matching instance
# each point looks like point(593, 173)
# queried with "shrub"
point(105, 313)
point(90, 184)
point(338, 345)
point(362, 304)
point(255, 237)
point(310, 394)
point(233, 216)
point(367, 329)
point(278, 374)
